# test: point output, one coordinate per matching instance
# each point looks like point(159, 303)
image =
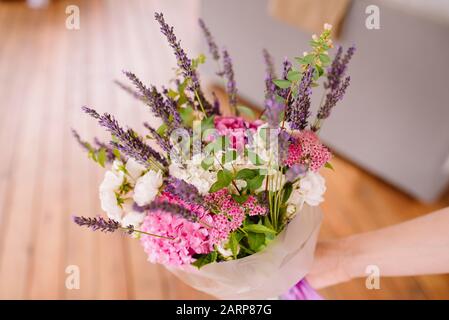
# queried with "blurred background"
point(390, 133)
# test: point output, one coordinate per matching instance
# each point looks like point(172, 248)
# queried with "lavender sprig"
point(185, 191)
point(335, 84)
point(130, 143)
point(168, 207)
point(185, 64)
point(110, 154)
point(213, 48)
point(270, 75)
point(97, 223)
point(337, 69)
point(273, 111)
point(231, 87)
point(163, 142)
point(130, 90)
point(299, 111)
point(331, 100)
point(286, 68)
point(165, 109)
point(103, 225)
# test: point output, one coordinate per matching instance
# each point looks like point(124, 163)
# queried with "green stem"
point(147, 233)
point(199, 101)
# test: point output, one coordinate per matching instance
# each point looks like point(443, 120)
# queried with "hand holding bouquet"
point(226, 203)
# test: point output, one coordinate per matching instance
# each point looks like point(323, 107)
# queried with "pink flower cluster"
point(230, 214)
point(307, 149)
point(188, 238)
point(236, 129)
point(253, 208)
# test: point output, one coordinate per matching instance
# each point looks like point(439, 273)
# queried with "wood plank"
point(18, 228)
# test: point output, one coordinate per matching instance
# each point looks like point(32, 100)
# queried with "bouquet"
point(227, 202)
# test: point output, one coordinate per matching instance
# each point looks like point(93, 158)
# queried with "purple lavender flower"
point(213, 48)
point(284, 141)
point(270, 87)
point(337, 69)
point(97, 223)
point(295, 171)
point(273, 111)
point(168, 207)
point(299, 111)
point(110, 155)
point(163, 142)
point(129, 142)
point(165, 109)
point(109, 225)
point(184, 63)
point(286, 67)
point(331, 100)
point(228, 70)
point(130, 90)
point(185, 191)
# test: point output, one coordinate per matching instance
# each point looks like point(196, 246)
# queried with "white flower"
point(109, 205)
point(134, 168)
point(310, 191)
point(194, 174)
point(147, 187)
point(111, 182)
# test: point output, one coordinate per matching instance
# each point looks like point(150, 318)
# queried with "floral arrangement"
point(206, 187)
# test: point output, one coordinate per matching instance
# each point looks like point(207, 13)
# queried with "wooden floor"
point(46, 73)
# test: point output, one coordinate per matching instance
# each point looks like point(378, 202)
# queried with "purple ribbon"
point(302, 291)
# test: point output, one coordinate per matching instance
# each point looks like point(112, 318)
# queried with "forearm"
point(418, 246)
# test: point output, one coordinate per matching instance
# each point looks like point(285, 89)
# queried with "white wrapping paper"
point(266, 274)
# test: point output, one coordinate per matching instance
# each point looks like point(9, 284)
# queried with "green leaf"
point(281, 83)
point(259, 228)
point(309, 59)
point(187, 115)
point(255, 183)
point(288, 188)
point(116, 153)
point(101, 157)
point(300, 60)
point(329, 166)
point(246, 174)
point(293, 75)
point(324, 58)
point(207, 123)
point(172, 93)
point(233, 244)
point(279, 99)
point(205, 259)
point(240, 198)
point(246, 111)
point(256, 241)
point(162, 129)
point(224, 178)
point(320, 70)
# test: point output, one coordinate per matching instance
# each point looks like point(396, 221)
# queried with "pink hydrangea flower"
point(194, 237)
point(236, 129)
point(308, 150)
point(189, 238)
